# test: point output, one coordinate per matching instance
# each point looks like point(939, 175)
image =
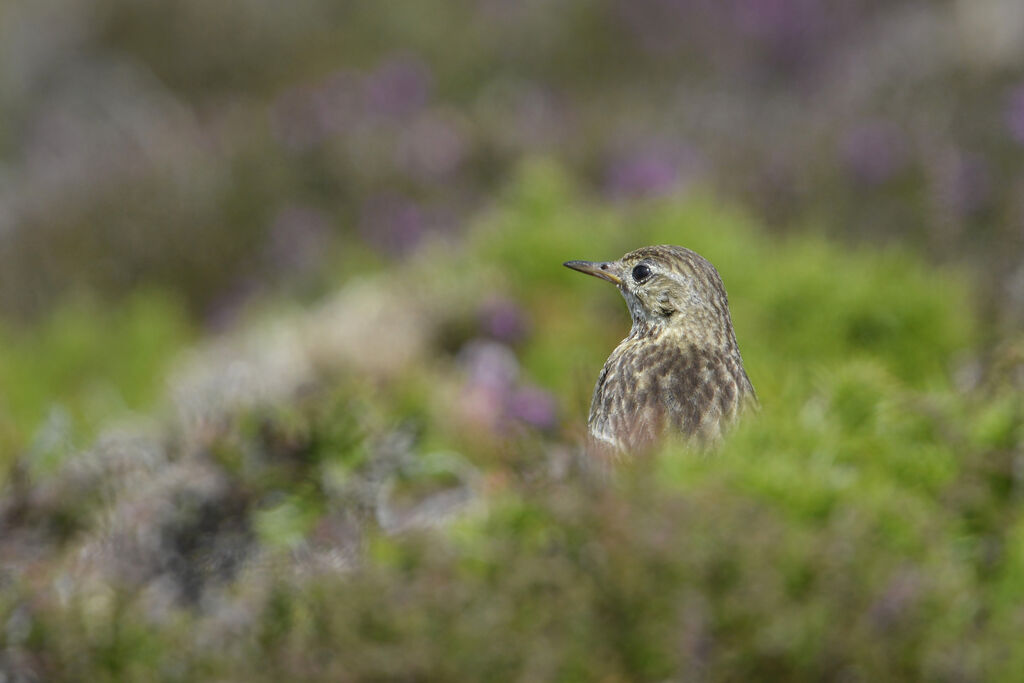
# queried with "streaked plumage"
point(680, 367)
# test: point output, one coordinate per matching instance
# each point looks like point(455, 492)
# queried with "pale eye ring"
point(641, 272)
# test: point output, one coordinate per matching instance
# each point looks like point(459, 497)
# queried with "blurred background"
point(221, 150)
point(174, 175)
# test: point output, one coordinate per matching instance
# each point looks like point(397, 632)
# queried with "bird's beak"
point(606, 270)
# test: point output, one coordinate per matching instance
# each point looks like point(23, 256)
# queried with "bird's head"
point(669, 288)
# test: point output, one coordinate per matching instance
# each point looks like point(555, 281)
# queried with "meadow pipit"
point(680, 367)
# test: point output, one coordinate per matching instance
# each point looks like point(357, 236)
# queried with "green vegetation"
point(865, 525)
point(63, 378)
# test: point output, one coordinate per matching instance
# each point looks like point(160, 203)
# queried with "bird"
point(679, 371)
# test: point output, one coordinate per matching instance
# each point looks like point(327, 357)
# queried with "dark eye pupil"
point(641, 272)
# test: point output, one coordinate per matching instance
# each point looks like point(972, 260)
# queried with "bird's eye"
point(641, 272)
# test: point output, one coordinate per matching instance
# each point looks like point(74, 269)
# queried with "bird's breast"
point(649, 386)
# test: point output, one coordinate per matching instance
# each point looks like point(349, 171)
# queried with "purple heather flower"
point(642, 176)
point(789, 30)
point(399, 87)
point(392, 223)
point(1014, 114)
point(338, 100)
point(534, 406)
point(503, 319)
point(302, 117)
point(649, 173)
point(491, 365)
point(492, 373)
point(772, 18)
point(492, 394)
point(874, 152)
point(432, 147)
point(522, 116)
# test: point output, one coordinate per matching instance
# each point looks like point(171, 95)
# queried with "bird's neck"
point(714, 341)
point(644, 329)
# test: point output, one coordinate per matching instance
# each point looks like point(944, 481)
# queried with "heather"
point(293, 385)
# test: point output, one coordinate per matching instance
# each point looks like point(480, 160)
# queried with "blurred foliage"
point(62, 379)
point(866, 524)
point(219, 149)
point(390, 485)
